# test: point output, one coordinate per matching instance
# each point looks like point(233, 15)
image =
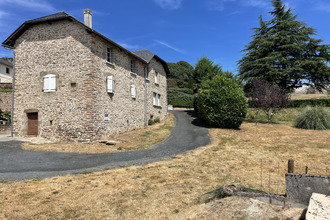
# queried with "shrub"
point(157, 120)
point(151, 122)
point(221, 102)
point(314, 118)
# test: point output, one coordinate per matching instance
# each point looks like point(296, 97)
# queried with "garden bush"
point(221, 102)
point(309, 102)
point(179, 98)
point(314, 118)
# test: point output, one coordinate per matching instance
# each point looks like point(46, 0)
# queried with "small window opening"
point(73, 85)
point(51, 122)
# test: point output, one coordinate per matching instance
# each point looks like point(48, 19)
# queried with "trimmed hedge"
point(305, 102)
point(180, 98)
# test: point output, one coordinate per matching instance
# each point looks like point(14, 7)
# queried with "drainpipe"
point(12, 97)
point(145, 98)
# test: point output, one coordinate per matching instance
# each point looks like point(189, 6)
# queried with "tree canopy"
point(283, 52)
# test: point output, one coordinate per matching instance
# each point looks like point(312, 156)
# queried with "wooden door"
point(32, 123)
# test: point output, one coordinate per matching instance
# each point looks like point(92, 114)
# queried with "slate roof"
point(6, 62)
point(144, 55)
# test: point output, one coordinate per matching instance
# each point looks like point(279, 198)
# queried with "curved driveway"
point(15, 163)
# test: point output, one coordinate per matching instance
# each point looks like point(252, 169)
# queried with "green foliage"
point(181, 70)
point(180, 97)
point(157, 120)
point(172, 83)
point(151, 122)
point(314, 118)
point(309, 102)
point(283, 52)
point(221, 102)
point(205, 70)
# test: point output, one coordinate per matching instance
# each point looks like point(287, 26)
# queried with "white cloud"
point(169, 4)
point(33, 5)
point(257, 3)
point(170, 46)
point(130, 46)
point(217, 5)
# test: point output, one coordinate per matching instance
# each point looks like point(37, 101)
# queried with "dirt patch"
point(171, 189)
point(309, 96)
point(131, 140)
point(246, 208)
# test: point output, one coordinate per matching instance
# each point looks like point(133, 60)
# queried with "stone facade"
point(77, 109)
point(5, 103)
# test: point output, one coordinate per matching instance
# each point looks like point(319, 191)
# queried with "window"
point(110, 84)
point(7, 70)
point(110, 55)
point(133, 70)
point(133, 91)
point(156, 78)
point(50, 83)
point(146, 73)
point(156, 99)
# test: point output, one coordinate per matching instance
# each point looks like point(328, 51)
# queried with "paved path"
point(15, 163)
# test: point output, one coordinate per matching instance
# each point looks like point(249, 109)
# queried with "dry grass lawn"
point(309, 96)
point(170, 189)
point(131, 140)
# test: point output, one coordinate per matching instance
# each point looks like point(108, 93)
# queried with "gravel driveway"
point(15, 163)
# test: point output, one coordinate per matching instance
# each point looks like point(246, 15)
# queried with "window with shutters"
point(133, 67)
point(50, 83)
point(133, 91)
point(110, 54)
point(110, 84)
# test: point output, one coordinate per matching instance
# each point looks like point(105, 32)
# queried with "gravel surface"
point(188, 133)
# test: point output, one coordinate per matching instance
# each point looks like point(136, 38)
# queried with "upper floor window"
point(146, 72)
point(110, 55)
point(7, 70)
point(133, 67)
point(156, 77)
point(50, 83)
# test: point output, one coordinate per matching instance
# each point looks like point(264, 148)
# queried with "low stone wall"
point(5, 97)
point(5, 129)
point(300, 187)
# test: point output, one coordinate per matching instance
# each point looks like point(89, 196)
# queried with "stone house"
point(6, 70)
point(73, 83)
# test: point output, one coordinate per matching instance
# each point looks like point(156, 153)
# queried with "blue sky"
point(173, 29)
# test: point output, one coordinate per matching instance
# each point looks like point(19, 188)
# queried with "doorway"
point(32, 123)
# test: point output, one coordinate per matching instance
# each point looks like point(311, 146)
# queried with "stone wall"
point(300, 187)
point(76, 57)
point(6, 98)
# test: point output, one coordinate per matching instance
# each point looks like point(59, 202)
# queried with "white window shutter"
point(52, 83)
point(110, 84)
point(158, 100)
point(46, 83)
point(154, 99)
point(133, 91)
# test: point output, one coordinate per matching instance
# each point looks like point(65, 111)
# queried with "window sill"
point(133, 74)
point(110, 64)
point(156, 84)
point(147, 80)
point(157, 106)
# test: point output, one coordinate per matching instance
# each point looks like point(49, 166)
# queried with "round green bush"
point(221, 102)
point(313, 118)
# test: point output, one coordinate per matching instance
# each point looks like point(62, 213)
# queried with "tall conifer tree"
point(283, 52)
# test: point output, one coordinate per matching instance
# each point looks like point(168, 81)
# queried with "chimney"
point(88, 18)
